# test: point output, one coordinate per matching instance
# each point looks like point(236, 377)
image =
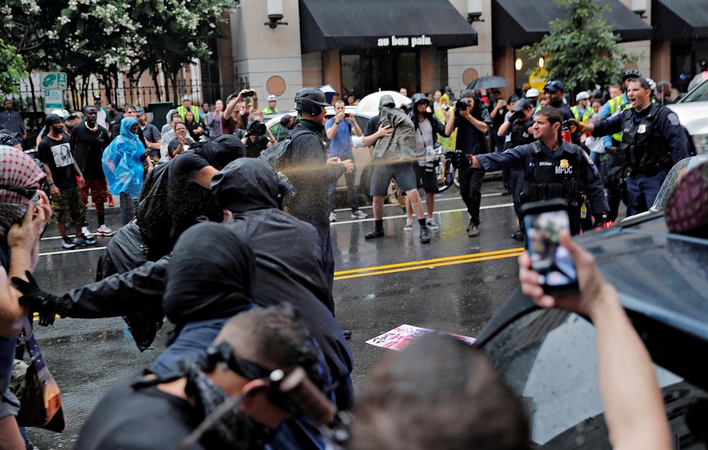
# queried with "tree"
point(13, 69)
point(581, 50)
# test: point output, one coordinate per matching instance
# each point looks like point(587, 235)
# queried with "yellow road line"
point(431, 265)
point(431, 261)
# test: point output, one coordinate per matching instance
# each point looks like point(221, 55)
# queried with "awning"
point(522, 22)
point(679, 19)
point(384, 24)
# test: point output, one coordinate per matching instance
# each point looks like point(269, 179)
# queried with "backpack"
point(277, 155)
point(154, 220)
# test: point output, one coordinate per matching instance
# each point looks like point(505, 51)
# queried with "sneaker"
point(84, 240)
point(103, 230)
point(506, 192)
point(473, 231)
point(359, 215)
point(373, 234)
point(430, 223)
point(518, 236)
point(332, 217)
point(408, 226)
point(469, 226)
point(67, 244)
point(111, 202)
point(85, 231)
point(424, 236)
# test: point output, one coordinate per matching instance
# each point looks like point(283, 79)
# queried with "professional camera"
point(516, 115)
point(249, 93)
point(256, 128)
point(461, 105)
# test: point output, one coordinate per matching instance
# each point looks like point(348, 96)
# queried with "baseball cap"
point(97, 97)
point(554, 86)
point(532, 93)
point(521, 105)
point(63, 114)
point(272, 98)
point(52, 119)
point(582, 96)
point(285, 119)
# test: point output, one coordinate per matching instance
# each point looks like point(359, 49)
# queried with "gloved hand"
point(516, 115)
point(576, 125)
point(460, 159)
point(601, 220)
point(38, 300)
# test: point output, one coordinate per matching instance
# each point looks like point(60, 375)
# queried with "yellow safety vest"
point(182, 111)
point(586, 115)
point(618, 104)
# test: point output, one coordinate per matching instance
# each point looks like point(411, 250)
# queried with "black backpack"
point(155, 222)
point(277, 156)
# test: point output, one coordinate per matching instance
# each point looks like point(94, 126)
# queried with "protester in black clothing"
point(144, 411)
point(195, 128)
point(88, 140)
point(472, 123)
point(114, 118)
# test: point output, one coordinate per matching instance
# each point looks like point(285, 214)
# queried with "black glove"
point(601, 220)
point(516, 115)
point(38, 300)
point(459, 159)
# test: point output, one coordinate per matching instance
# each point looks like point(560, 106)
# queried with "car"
point(549, 356)
point(692, 111)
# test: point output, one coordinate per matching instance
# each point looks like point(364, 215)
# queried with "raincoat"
point(448, 143)
point(401, 144)
point(121, 161)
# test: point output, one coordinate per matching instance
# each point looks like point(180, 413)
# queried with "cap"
point(97, 97)
point(139, 110)
point(285, 120)
point(272, 98)
point(448, 88)
point(532, 93)
point(52, 119)
point(522, 104)
point(63, 114)
point(582, 96)
point(186, 97)
point(554, 86)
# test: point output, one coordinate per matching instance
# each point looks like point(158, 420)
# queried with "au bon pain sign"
point(405, 41)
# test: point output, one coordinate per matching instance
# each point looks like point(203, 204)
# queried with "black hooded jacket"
point(288, 256)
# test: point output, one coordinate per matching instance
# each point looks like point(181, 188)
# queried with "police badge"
point(642, 129)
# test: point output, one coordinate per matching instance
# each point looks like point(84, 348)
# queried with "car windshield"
point(549, 357)
point(674, 176)
point(700, 94)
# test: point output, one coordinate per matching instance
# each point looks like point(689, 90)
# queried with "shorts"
point(99, 190)
point(383, 172)
point(426, 180)
point(68, 208)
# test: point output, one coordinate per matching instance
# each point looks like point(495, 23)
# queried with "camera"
point(445, 107)
point(347, 115)
point(461, 105)
point(256, 128)
point(516, 115)
point(249, 93)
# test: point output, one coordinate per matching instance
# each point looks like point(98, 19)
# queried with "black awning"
point(679, 19)
point(522, 22)
point(380, 24)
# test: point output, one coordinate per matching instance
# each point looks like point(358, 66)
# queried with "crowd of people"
point(214, 233)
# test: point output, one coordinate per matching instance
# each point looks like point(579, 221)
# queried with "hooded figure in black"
point(288, 259)
point(131, 272)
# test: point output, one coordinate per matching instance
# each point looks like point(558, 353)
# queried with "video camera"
point(461, 105)
point(256, 128)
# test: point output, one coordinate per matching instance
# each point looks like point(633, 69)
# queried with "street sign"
point(53, 99)
point(53, 80)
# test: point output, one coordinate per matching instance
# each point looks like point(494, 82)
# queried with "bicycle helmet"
point(631, 73)
point(310, 100)
point(532, 93)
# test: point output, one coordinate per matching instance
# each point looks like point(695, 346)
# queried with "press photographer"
point(257, 137)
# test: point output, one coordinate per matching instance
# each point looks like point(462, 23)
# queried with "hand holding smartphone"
point(553, 263)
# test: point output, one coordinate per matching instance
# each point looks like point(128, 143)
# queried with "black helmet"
point(631, 73)
point(417, 98)
point(310, 101)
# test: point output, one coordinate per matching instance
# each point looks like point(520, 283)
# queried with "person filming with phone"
point(552, 168)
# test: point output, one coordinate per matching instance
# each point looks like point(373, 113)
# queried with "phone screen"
point(549, 259)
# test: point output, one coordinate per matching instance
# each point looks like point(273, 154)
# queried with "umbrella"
point(328, 92)
point(370, 103)
point(489, 82)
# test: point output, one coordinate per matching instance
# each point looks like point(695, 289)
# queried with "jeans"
point(643, 190)
point(471, 191)
point(350, 179)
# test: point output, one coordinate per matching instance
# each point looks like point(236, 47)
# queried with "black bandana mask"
point(235, 429)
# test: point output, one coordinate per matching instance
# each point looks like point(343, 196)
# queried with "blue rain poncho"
point(121, 161)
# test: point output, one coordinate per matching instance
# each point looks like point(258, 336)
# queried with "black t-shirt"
point(57, 155)
point(254, 149)
point(139, 418)
point(466, 136)
point(114, 125)
point(191, 126)
point(88, 147)
point(373, 126)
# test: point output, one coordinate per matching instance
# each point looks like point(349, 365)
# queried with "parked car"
point(550, 356)
point(692, 110)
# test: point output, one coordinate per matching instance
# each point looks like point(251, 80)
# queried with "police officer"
point(552, 169)
point(653, 140)
point(555, 98)
point(518, 127)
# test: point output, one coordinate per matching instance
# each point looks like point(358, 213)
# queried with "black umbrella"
point(489, 82)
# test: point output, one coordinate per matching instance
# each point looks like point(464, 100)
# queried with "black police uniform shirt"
point(57, 155)
point(87, 147)
point(520, 134)
point(522, 157)
point(667, 128)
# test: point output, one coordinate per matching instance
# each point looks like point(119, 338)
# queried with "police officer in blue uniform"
point(552, 169)
point(653, 140)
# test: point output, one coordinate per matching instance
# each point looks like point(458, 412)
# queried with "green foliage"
point(582, 50)
point(13, 69)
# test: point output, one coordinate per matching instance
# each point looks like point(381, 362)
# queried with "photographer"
point(235, 116)
point(472, 123)
point(257, 137)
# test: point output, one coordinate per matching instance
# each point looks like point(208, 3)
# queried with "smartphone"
point(248, 94)
point(543, 222)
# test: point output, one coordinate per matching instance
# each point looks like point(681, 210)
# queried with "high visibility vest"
point(269, 110)
point(182, 111)
point(619, 103)
point(586, 115)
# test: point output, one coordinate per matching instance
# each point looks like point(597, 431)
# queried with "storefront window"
point(522, 64)
point(370, 71)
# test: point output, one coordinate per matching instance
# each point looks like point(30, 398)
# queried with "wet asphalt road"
point(385, 283)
